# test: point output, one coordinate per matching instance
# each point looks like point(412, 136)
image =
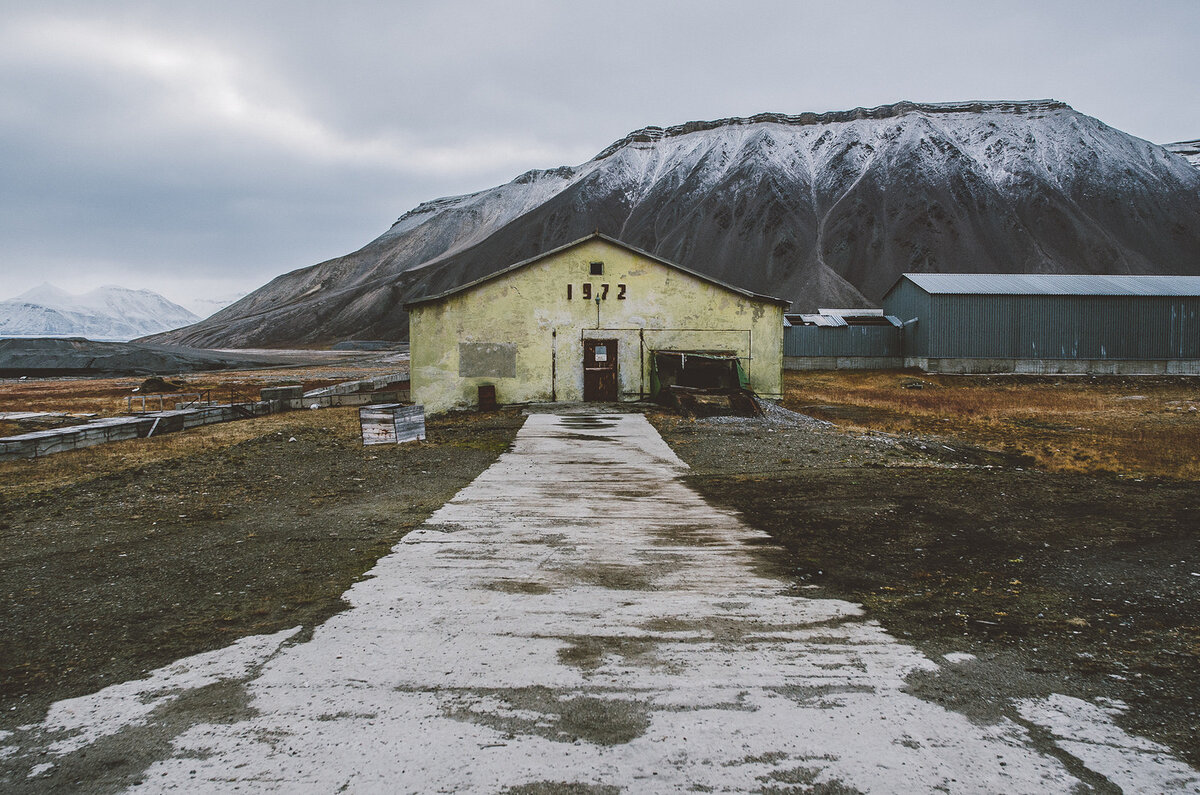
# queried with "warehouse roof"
point(1052, 284)
point(837, 318)
point(606, 239)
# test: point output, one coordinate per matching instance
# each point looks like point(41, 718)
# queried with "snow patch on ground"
point(1087, 732)
point(957, 657)
point(84, 720)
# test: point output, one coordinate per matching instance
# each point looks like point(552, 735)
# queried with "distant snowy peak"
point(1189, 150)
point(144, 306)
point(46, 294)
point(109, 312)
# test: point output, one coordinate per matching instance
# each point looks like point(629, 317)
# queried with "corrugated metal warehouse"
point(1048, 323)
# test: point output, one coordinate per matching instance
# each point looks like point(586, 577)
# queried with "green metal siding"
point(841, 341)
point(908, 302)
point(1101, 327)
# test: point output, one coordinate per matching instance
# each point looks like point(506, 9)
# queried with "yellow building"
point(583, 323)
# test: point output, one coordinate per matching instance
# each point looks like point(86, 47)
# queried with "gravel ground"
point(1056, 583)
point(121, 572)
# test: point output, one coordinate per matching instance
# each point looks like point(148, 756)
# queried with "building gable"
point(535, 330)
point(597, 236)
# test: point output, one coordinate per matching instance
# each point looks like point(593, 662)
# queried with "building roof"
point(838, 318)
point(1052, 284)
point(611, 241)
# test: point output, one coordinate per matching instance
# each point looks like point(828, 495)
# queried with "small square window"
point(597, 269)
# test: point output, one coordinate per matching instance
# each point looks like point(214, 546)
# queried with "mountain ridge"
point(653, 133)
point(826, 209)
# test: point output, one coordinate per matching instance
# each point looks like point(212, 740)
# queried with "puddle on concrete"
point(683, 535)
point(587, 437)
point(587, 652)
point(804, 779)
point(588, 421)
point(723, 629)
point(547, 539)
point(561, 788)
point(614, 576)
point(627, 491)
point(518, 586)
point(560, 716)
point(819, 696)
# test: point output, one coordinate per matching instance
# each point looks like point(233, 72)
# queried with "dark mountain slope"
point(826, 210)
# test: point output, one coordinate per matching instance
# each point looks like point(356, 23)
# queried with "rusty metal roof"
point(1054, 284)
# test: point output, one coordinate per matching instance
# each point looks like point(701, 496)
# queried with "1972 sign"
point(589, 291)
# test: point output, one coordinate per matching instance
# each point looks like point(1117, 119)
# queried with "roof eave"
point(599, 236)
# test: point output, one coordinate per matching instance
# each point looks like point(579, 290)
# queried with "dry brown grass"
point(1128, 425)
point(108, 396)
point(77, 466)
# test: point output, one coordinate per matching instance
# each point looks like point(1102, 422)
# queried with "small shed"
point(842, 339)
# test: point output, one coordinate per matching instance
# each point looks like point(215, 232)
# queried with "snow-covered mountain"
point(825, 209)
point(1190, 150)
point(107, 313)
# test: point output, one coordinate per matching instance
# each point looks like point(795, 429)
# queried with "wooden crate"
point(392, 423)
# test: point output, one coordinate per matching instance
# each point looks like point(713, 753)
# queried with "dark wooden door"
point(600, 371)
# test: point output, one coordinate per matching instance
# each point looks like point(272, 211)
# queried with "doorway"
point(600, 371)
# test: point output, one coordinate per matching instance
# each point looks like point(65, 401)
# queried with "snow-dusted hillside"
point(106, 313)
point(1189, 150)
point(824, 209)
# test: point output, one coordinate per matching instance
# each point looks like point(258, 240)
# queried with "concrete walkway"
point(577, 619)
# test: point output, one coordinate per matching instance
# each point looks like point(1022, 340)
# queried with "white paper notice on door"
point(601, 353)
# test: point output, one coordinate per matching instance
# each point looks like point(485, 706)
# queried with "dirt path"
point(578, 619)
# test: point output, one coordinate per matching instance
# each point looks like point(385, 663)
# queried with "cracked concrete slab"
point(577, 619)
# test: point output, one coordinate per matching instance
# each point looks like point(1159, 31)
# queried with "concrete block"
point(288, 392)
point(365, 385)
point(333, 401)
point(1057, 366)
point(842, 362)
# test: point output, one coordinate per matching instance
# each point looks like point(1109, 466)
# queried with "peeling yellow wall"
point(663, 308)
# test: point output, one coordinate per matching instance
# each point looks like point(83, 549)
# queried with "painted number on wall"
point(600, 291)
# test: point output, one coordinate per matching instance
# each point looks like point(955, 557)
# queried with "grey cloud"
point(241, 140)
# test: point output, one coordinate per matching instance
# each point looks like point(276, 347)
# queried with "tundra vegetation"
point(1048, 526)
point(1127, 425)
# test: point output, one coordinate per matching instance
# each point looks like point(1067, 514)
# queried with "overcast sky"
point(202, 148)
